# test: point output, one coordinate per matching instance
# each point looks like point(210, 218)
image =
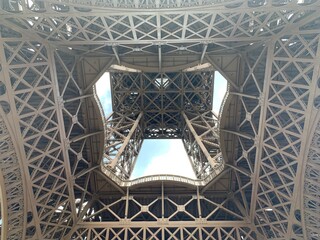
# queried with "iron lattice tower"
point(65, 168)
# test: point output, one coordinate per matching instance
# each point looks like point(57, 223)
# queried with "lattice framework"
point(47, 98)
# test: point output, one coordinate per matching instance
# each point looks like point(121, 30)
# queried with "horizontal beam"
point(158, 42)
point(240, 134)
point(136, 7)
point(165, 223)
point(78, 98)
point(80, 137)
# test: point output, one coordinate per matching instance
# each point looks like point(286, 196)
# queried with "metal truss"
point(34, 105)
point(47, 110)
point(53, 136)
point(35, 5)
point(201, 141)
point(168, 210)
point(149, 105)
point(174, 232)
point(123, 143)
point(289, 93)
point(12, 198)
point(309, 213)
point(161, 97)
point(84, 30)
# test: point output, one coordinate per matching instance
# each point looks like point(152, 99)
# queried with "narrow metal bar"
point(78, 98)
point(244, 95)
point(162, 199)
point(199, 203)
point(240, 134)
point(127, 204)
point(78, 138)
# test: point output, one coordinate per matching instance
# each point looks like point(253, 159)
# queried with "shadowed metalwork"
point(65, 167)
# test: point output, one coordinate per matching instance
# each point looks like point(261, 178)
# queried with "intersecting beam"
point(244, 95)
point(261, 132)
point(222, 72)
point(78, 98)
point(97, 76)
point(80, 137)
point(240, 134)
point(115, 51)
point(239, 169)
point(114, 161)
point(62, 131)
point(211, 160)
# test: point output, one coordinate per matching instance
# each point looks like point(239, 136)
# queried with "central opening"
point(163, 156)
point(160, 156)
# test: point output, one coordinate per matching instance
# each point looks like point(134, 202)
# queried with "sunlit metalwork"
point(55, 142)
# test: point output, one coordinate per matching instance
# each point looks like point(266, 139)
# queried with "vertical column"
point(262, 103)
point(65, 141)
point(310, 166)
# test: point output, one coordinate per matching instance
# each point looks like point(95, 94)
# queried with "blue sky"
point(104, 93)
point(161, 156)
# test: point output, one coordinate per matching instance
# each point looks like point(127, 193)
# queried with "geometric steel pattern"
point(157, 233)
point(311, 200)
point(56, 147)
point(12, 192)
point(170, 105)
point(289, 98)
point(123, 142)
point(161, 98)
point(201, 141)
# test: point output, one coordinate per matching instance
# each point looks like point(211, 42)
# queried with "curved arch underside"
point(51, 55)
point(13, 202)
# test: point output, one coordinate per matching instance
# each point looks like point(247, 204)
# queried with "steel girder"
point(288, 102)
point(161, 97)
point(309, 214)
point(123, 143)
point(236, 26)
point(201, 141)
point(12, 188)
point(273, 101)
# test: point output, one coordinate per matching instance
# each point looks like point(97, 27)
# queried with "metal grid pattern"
point(158, 233)
point(236, 26)
point(265, 132)
point(167, 105)
point(311, 200)
point(173, 211)
point(123, 143)
point(31, 87)
point(12, 195)
point(201, 141)
point(161, 98)
point(289, 95)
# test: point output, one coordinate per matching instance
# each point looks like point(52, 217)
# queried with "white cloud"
point(103, 84)
point(174, 161)
point(103, 89)
point(220, 88)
